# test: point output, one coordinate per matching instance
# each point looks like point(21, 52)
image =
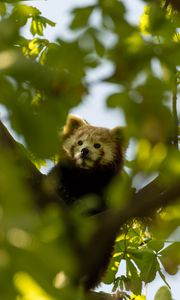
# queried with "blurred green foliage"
point(40, 82)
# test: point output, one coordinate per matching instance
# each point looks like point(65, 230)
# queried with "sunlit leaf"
point(163, 294)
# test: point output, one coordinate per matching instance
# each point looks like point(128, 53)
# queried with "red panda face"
point(90, 147)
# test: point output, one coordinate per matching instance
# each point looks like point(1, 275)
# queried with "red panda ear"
point(119, 134)
point(72, 124)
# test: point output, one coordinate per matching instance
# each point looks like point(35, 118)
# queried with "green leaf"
point(25, 10)
point(117, 99)
point(115, 284)
point(22, 13)
point(36, 26)
point(163, 294)
point(170, 258)
point(47, 21)
point(156, 245)
point(81, 17)
point(2, 9)
point(113, 9)
point(135, 280)
point(147, 262)
point(149, 268)
point(112, 270)
point(9, 32)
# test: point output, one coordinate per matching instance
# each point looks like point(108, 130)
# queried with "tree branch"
point(108, 224)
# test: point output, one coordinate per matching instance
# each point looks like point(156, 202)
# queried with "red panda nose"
point(84, 152)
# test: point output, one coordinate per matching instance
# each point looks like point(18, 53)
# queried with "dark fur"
point(74, 183)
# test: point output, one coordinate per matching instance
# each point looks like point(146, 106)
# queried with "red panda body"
point(91, 157)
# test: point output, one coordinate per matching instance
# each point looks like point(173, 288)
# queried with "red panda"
point(90, 157)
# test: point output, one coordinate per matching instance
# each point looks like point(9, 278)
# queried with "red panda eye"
point(80, 143)
point(97, 145)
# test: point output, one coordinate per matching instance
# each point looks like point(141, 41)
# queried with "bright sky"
point(93, 109)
